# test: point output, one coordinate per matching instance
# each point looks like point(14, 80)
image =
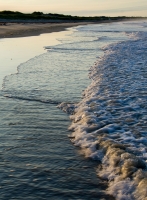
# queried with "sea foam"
point(109, 123)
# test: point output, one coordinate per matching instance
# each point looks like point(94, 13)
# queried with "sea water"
point(108, 114)
point(37, 158)
point(109, 123)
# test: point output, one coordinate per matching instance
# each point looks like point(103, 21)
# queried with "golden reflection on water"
point(14, 51)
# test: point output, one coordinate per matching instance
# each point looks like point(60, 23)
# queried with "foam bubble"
point(109, 123)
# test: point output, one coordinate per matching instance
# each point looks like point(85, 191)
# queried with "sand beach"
point(21, 28)
point(11, 30)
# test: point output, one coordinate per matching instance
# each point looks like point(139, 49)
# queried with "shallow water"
point(37, 157)
point(109, 124)
point(14, 51)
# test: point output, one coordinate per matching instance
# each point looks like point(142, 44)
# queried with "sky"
point(79, 7)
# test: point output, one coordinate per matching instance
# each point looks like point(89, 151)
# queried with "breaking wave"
point(110, 122)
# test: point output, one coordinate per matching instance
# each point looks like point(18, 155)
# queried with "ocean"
point(73, 119)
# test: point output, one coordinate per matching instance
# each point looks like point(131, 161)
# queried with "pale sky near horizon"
point(79, 7)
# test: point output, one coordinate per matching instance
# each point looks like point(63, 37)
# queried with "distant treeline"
point(50, 16)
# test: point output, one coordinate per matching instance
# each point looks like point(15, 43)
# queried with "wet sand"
point(24, 29)
point(11, 30)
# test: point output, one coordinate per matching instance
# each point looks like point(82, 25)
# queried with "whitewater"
point(108, 115)
point(109, 124)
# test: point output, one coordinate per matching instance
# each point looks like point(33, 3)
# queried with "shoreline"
point(27, 48)
point(25, 29)
point(14, 30)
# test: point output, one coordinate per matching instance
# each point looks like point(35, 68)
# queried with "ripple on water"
point(109, 123)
